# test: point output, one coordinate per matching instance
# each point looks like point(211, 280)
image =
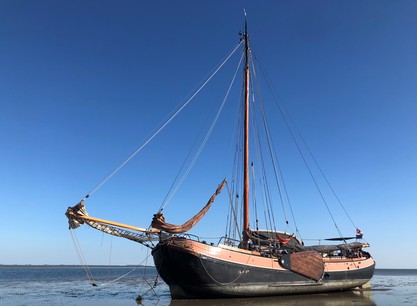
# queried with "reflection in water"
point(356, 297)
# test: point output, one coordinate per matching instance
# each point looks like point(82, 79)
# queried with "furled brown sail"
point(158, 220)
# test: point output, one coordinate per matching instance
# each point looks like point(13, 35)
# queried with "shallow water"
point(67, 285)
point(394, 287)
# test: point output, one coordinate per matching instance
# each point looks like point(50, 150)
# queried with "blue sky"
point(82, 84)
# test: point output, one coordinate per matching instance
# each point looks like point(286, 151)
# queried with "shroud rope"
point(102, 182)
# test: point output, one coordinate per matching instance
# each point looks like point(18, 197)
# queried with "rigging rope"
point(111, 248)
point(304, 159)
point(237, 173)
point(172, 191)
point(253, 192)
point(242, 272)
point(233, 216)
point(275, 163)
point(102, 182)
point(324, 176)
point(151, 287)
point(266, 193)
point(126, 274)
point(81, 258)
point(87, 268)
point(236, 177)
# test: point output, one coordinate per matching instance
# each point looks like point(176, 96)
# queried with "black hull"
point(190, 275)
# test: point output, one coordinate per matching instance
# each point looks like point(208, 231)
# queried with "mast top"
point(246, 38)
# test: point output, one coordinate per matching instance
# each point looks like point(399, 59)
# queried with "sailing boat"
point(249, 262)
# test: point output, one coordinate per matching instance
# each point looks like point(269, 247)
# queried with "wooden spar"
point(246, 143)
point(135, 228)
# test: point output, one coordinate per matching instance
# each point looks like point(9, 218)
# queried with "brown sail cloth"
point(158, 220)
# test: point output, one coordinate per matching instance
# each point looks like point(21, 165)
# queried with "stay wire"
point(81, 258)
point(276, 165)
point(236, 175)
point(325, 178)
point(266, 195)
point(303, 157)
point(114, 172)
point(206, 138)
point(253, 192)
point(127, 273)
point(233, 212)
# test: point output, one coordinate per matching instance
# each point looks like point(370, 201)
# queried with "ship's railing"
point(188, 236)
point(222, 240)
point(271, 250)
point(229, 241)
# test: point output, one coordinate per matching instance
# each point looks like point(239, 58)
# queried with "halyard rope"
point(200, 149)
point(102, 182)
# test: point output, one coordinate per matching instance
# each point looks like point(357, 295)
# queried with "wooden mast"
point(246, 141)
